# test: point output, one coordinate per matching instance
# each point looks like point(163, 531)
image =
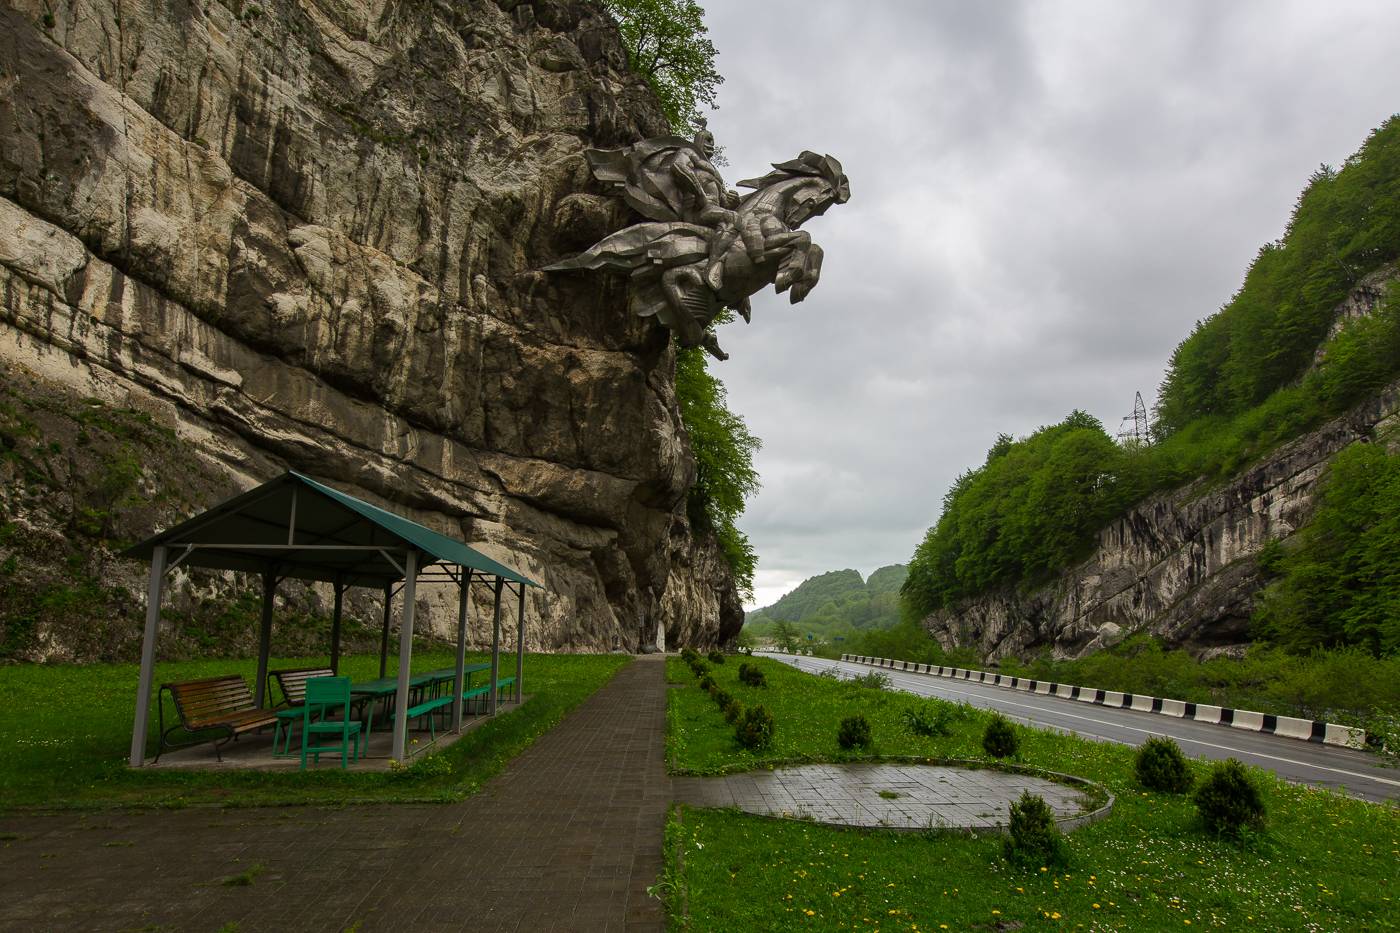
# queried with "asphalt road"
point(1357, 773)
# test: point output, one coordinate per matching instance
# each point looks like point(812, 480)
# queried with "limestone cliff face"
point(1182, 565)
point(306, 233)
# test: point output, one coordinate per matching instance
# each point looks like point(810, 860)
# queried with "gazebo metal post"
point(464, 582)
point(496, 645)
point(335, 626)
point(410, 580)
point(148, 656)
point(265, 634)
point(520, 648)
point(384, 635)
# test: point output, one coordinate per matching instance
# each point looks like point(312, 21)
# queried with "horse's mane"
point(780, 187)
point(807, 165)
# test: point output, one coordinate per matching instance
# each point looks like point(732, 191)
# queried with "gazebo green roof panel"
point(313, 532)
point(425, 539)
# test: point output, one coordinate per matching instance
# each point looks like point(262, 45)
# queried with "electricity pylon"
point(1140, 433)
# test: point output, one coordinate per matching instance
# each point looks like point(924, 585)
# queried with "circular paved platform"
point(885, 795)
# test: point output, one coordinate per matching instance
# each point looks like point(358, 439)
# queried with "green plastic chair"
point(324, 696)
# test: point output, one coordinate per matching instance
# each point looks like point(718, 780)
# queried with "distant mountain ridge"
point(836, 602)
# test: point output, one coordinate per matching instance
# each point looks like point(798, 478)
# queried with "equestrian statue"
point(705, 249)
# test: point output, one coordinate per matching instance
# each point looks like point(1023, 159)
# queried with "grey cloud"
point(1045, 197)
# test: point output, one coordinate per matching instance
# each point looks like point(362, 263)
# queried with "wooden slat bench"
point(291, 683)
point(221, 705)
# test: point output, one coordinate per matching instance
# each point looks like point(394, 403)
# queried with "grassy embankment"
point(1347, 685)
point(1324, 862)
point(66, 732)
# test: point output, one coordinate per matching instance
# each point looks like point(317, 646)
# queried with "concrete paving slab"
point(850, 794)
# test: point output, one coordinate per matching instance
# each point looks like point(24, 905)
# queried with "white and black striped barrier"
point(1310, 730)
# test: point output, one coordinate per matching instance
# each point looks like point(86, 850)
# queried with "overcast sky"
point(1044, 198)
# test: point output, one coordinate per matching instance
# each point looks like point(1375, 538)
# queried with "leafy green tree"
point(1341, 585)
point(785, 636)
point(1345, 224)
point(1031, 508)
point(668, 45)
point(724, 472)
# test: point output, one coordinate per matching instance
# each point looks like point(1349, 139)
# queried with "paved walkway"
point(890, 795)
point(568, 837)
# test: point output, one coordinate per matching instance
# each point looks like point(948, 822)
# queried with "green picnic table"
point(381, 689)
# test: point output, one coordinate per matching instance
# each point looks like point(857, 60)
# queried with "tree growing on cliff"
point(1340, 585)
point(1030, 509)
point(668, 45)
point(724, 473)
point(1345, 224)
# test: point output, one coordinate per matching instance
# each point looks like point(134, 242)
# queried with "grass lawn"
point(1324, 862)
point(66, 733)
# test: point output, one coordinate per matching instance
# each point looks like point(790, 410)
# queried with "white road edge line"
point(1114, 725)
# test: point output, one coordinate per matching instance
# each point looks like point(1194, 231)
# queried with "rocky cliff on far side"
point(1181, 565)
point(300, 234)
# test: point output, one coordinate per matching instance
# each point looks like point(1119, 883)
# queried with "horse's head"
point(802, 188)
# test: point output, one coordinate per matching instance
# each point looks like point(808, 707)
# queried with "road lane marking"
point(1115, 725)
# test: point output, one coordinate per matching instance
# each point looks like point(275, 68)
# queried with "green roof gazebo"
point(294, 527)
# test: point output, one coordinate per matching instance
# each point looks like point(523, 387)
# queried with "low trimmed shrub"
point(689, 655)
point(721, 698)
point(732, 711)
point(755, 728)
point(1000, 739)
point(699, 667)
point(854, 732)
point(1033, 840)
point(752, 676)
point(1229, 801)
point(1161, 766)
point(707, 683)
point(715, 657)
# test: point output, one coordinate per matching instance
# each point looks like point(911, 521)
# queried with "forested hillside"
point(1275, 362)
point(835, 604)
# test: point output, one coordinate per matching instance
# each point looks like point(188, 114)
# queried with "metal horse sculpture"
point(705, 249)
